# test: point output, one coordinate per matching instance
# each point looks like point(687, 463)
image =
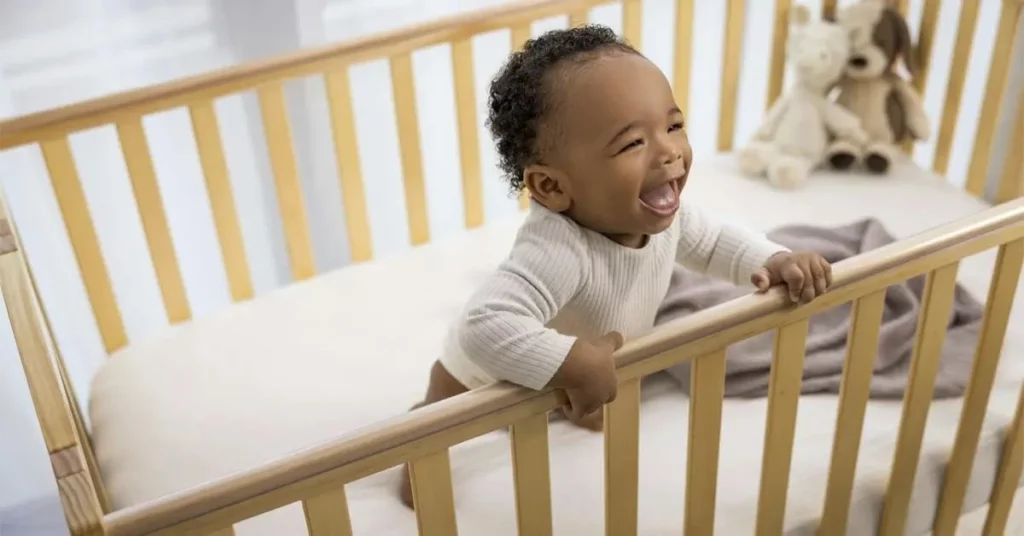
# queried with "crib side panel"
point(78, 483)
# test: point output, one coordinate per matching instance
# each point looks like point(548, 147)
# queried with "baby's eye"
point(635, 143)
point(675, 127)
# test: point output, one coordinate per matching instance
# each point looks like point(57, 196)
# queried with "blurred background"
point(57, 52)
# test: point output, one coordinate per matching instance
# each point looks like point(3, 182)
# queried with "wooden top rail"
point(680, 340)
point(103, 110)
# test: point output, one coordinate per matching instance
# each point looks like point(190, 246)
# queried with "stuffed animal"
point(795, 135)
point(888, 106)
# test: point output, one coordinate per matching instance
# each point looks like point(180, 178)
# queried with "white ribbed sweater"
point(562, 281)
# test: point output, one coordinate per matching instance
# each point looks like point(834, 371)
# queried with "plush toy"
point(888, 106)
point(795, 135)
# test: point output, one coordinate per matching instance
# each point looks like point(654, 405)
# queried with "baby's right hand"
point(588, 374)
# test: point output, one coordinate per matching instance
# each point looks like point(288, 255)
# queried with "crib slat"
point(853, 398)
point(1011, 183)
point(520, 35)
point(621, 458)
point(707, 387)
point(902, 6)
point(431, 478)
point(286, 179)
point(683, 55)
point(731, 58)
point(986, 360)
point(1008, 476)
point(132, 136)
point(955, 85)
point(783, 394)
point(346, 150)
point(778, 59)
point(931, 330)
point(68, 189)
point(531, 468)
point(222, 200)
point(995, 90)
point(632, 14)
point(327, 514)
point(469, 144)
point(828, 7)
point(403, 89)
point(925, 41)
point(579, 18)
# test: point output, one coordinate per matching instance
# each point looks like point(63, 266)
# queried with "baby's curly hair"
point(520, 94)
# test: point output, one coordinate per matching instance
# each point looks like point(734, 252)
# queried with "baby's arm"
point(505, 331)
point(721, 250)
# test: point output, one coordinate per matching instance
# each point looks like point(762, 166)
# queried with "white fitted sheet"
point(324, 357)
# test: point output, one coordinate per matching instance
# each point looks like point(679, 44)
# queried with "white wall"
point(141, 43)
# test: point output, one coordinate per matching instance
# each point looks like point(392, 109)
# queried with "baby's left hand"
point(807, 274)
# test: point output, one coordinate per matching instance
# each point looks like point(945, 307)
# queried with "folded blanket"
point(748, 362)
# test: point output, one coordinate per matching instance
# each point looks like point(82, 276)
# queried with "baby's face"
point(620, 146)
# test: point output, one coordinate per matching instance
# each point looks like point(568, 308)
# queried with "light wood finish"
point(327, 514)
point(79, 500)
point(579, 17)
point(621, 459)
point(7, 242)
point(432, 494)
point(707, 387)
point(902, 6)
point(226, 531)
point(346, 151)
point(469, 143)
point(731, 60)
point(861, 351)
point(828, 7)
point(1007, 477)
point(931, 333)
point(154, 219)
point(995, 91)
point(986, 360)
point(1011, 183)
point(925, 42)
point(286, 180)
point(403, 89)
point(532, 472)
point(778, 60)
point(683, 51)
point(968, 21)
point(783, 395)
point(75, 212)
point(222, 199)
point(632, 25)
point(310, 61)
point(391, 442)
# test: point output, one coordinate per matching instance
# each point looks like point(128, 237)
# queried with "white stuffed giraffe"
point(795, 135)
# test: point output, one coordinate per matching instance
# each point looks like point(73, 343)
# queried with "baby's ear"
point(548, 187)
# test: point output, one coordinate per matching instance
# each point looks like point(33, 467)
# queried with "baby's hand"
point(807, 275)
point(588, 376)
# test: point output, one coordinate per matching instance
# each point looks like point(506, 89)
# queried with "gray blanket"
point(748, 362)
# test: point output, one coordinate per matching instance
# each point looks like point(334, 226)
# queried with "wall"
point(133, 44)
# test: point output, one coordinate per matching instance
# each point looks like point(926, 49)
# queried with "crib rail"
point(423, 437)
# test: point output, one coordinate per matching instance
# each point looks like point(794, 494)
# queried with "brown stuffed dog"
point(888, 106)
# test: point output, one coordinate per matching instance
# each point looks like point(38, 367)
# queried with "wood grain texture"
point(432, 494)
point(707, 388)
point(532, 473)
point(327, 514)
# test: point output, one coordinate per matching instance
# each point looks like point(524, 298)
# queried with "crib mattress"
point(309, 362)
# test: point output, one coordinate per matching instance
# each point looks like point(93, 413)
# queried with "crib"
point(326, 463)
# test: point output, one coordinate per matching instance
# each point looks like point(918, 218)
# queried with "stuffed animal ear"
point(799, 15)
point(904, 46)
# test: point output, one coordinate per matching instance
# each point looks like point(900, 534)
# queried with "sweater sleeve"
point(721, 250)
point(504, 331)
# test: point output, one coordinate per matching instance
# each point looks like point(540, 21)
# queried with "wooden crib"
point(316, 476)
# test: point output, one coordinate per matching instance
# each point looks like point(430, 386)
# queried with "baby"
point(590, 128)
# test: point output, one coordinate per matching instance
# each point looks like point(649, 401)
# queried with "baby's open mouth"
point(662, 199)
